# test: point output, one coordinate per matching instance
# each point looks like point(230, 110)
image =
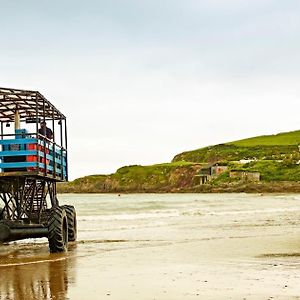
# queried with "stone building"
point(210, 171)
point(245, 175)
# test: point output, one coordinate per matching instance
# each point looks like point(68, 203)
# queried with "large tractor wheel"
point(3, 214)
point(58, 229)
point(72, 222)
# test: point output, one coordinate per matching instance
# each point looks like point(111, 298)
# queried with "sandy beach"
point(165, 247)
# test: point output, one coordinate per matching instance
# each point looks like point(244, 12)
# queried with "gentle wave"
point(139, 216)
point(177, 213)
point(240, 212)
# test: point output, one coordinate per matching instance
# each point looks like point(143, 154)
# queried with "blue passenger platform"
point(32, 154)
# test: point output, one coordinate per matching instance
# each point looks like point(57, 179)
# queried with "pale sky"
point(143, 80)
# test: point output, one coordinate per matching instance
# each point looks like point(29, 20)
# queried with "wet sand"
point(222, 253)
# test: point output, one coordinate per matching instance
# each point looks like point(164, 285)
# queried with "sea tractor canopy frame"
point(31, 163)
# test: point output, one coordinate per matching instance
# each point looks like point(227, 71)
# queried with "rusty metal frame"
point(25, 199)
point(31, 104)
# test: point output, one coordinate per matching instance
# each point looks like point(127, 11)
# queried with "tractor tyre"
point(3, 214)
point(58, 230)
point(72, 222)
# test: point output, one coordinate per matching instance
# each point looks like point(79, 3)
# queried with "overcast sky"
point(143, 80)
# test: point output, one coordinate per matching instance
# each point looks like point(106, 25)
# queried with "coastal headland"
point(263, 164)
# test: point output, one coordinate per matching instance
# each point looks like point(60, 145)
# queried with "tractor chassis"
point(24, 207)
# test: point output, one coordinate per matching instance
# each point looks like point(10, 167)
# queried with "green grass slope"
point(262, 147)
point(155, 178)
point(280, 139)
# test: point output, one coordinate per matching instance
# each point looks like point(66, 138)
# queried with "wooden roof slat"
point(27, 103)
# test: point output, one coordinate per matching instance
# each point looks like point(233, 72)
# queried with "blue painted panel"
point(42, 155)
point(50, 168)
point(21, 134)
point(17, 165)
point(26, 165)
point(58, 161)
point(51, 158)
point(18, 141)
point(30, 153)
point(17, 153)
point(60, 155)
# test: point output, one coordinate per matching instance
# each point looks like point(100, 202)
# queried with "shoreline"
point(287, 187)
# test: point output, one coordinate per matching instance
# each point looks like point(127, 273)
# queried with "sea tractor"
point(31, 164)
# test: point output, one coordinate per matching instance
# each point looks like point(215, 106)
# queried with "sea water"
point(142, 216)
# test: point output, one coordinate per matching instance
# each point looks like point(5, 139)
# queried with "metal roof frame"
point(30, 105)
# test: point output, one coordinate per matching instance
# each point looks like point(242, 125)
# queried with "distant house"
point(246, 175)
point(210, 171)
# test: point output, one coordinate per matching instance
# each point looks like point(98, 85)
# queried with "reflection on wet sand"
point(35, 276)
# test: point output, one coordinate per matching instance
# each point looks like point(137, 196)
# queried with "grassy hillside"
point(263, 147)
point(282, 139)
point(154, 178)
point(276, 157)
point(232, 152)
